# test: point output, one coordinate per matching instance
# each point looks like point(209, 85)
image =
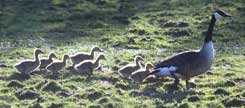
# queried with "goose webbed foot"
point(190, 85)
point(173, 86)
point(176, 81)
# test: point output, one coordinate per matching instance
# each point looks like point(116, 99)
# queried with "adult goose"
point(44, 62)
point(128, 69)
point(191, 63)
point(140, 74)
point(27, 66)
point(57, 65)
point(87, 66)
point(81, 56)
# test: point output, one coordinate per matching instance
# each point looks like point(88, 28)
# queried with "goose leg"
point(187, 78)
point(176, 80)
point(187, 83)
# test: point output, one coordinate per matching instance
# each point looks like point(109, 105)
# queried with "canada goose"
point(126, 70)
point(139, 75)
point(27, 66)
point(79, 57)
point(87, 66)
point(46, 61)
point(191, 63)
point(57, 65)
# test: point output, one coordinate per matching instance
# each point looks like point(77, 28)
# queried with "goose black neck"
point(209, 35)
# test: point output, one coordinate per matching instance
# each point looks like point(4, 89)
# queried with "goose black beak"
point(228, 15)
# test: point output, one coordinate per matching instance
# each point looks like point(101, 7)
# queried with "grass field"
point(154, 29)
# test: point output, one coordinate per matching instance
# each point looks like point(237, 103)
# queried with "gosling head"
point(38, 51)
point(138, 58)
point(98, 49)
point(220, 14)
point(148, 66)
point(52, 55)
point(65, 57)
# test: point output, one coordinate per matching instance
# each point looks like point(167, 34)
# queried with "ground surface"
point(155, 29)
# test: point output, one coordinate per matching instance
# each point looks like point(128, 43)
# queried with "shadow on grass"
point(170, 93)
point(18, 76)
point(171, 96)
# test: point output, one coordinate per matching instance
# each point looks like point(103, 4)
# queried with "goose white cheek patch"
point(166, 70)
point(217, 16)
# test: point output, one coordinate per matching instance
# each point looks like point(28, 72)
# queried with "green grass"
point(123, 28)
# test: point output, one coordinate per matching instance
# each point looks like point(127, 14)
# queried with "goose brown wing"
point(180, 60)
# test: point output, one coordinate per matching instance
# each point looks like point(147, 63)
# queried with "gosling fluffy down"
point(139, 75)
point(27, 66)
point(58, 65)
point(87, 66)
point(44, 62)
point(81, 56)
point(128, 69)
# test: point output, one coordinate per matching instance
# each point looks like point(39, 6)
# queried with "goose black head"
point(220, 14)
point(52, 55)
